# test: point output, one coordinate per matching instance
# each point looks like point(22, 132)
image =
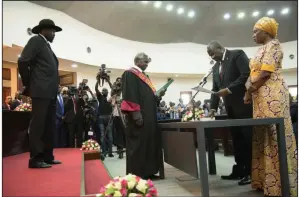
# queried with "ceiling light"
point(255, 13)
point(285, 11)
point(144, 2)
point(19, 55)
point(169, 7)
point(74, 65)
point(158, 4)
point(180, 10)
point(241, 15)
point(226, 16)
point(191, 14)
point(270, 12)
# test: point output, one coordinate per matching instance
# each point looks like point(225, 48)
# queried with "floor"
point(178, 183)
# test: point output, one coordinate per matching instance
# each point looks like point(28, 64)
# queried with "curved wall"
point(116, 52)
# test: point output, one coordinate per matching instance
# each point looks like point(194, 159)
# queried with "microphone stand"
point(204, 81)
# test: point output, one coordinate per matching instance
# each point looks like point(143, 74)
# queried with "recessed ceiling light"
point(241, 15)
point(255, 13)
point(226, 16)
point(19, 55)
point(74, 65)
point(181, 11)
point(191, 14)
point(285, 11)
point(169, 7)
point(270, 12)
point(157, 4)
point(144, 2)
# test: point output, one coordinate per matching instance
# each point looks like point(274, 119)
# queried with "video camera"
point(103, 74)
point(83, 86)
point(72, 90)
point(116, 87)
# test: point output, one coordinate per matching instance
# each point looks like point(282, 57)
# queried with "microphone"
point(204, 79)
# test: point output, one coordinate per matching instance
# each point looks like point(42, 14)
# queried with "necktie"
point(61, 104)
point(74, 103)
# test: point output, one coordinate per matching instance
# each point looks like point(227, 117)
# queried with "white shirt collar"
point(224, 55)
point(44, 38)
point(136, 67)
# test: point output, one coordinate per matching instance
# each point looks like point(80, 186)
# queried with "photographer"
point(104, 115)
point(118, 125)
point(74, 117)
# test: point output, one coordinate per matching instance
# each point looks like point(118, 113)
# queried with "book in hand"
point(201, 89)
point(164, 88)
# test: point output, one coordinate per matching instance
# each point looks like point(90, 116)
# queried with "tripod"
point(109, 128)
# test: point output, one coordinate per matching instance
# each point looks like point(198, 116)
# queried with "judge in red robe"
point(143, 138)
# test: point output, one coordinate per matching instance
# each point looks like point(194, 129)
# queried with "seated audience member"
point(266, 89)
point(294, 116)
point(181, 108)
point(17, 101)
point(7, 103)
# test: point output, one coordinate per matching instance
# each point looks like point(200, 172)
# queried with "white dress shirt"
point(220, 67)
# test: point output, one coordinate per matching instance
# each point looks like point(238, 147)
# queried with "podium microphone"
point(204, 79)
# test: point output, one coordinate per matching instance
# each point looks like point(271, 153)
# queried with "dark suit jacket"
point(70, 116)
point(38, 67)
point(5, 107)
point(15, 104)
point(235, 71)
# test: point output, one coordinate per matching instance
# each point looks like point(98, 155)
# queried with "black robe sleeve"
point(130, 93)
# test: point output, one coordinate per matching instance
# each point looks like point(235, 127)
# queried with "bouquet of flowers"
point(90, 145)
point(198, 113)
point(187, 116)
point(24, 107)
point(129, 186)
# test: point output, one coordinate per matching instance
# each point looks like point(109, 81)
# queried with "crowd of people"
point(173, 111)
point(249, 89)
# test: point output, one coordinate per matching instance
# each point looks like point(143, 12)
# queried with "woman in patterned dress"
point(268, 91)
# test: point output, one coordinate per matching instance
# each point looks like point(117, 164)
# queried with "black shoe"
point(53, 162)
point(245, 180)
point(110, 155)
point(235, 175)
point(38, 164)
point(121, 155)
point(151, 177)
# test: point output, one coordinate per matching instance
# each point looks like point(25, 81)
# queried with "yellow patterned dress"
point(270, 101)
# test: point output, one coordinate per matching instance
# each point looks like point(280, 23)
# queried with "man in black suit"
point(230, 74)
point(59, 133)
point(38, 68)
point(74, 118)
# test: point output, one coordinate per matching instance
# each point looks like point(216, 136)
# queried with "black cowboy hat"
point(45, 23)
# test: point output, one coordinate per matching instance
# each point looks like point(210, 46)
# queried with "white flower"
point(142, 186)
point(131, 184)
point(132, 194)
point(99, 195)
point(117, 193)
point(130, 177)
point(117, 185)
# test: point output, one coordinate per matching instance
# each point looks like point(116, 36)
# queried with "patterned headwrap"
point(268, 25)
